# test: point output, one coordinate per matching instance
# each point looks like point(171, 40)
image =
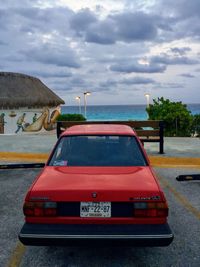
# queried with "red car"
point(96, 188)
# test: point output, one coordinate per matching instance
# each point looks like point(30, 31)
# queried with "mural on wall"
point(45, 120)
point(20, 123)
point(26, 120)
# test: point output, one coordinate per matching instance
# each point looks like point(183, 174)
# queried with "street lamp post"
point(85, 102)
point(147, 98)
point(79, 103)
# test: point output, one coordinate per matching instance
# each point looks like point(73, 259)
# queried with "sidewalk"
point(181, 151)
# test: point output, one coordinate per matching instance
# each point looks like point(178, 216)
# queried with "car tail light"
point(40, 209)
point(150, 209)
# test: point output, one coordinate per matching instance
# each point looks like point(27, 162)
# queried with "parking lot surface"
point(184, 219)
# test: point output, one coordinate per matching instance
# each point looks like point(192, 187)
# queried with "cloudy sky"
point(116, 49)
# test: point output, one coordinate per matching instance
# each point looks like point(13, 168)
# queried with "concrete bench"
point(147, 131)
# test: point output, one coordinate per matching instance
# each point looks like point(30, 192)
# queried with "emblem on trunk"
point(147, 198)
point(94, 194)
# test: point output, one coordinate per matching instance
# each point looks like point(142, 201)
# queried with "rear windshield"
point(97, 150)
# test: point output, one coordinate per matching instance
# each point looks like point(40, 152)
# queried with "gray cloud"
point(138, 68)
point(49, 54)
point(50, 73)
point(107, 84)
point(22, 3)
point(182, 8)
point(5, 19)
point(87, 25)
point(69, 84)
point(183, 16)
point(137, 80)
point(135, 26)
point(82, 20)
point(180, 50)
point(176, 60)
point(187, 75)
point(3, 43)
point(101, 33)
point(73, 83)
point(126, 27)
point(13, 57)
point(170, 86)
point(77, 82)
point(35, 20)
point(60, 86)
point(72, 50)
point(111, 83)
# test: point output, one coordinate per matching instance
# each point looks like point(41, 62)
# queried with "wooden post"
point(58, 130)
point(1, 128)
point(161, 148)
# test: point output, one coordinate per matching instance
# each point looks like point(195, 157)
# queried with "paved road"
point(184, 219)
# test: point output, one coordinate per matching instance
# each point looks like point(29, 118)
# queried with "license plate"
point(95, 209)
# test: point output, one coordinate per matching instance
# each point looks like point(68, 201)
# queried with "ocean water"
point(118, 112)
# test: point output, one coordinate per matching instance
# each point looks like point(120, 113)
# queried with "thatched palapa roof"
point(20, 90)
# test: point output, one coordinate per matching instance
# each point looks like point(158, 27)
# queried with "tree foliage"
point(176, 116)
point(196, 124)
point(71, 117)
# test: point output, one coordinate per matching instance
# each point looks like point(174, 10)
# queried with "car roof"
point(111, 129)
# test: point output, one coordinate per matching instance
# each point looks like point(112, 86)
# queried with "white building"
point(26, 104)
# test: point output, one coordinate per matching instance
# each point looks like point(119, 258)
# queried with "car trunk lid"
point(96, 184)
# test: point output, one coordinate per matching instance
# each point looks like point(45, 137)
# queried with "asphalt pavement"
point(184, 220)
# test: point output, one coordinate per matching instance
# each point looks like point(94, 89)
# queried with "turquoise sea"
point(118, 112)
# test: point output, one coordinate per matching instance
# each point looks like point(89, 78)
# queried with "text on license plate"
point(95, 209)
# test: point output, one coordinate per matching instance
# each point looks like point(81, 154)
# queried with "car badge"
point(94, 195)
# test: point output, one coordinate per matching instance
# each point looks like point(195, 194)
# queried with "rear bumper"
point(110, 235)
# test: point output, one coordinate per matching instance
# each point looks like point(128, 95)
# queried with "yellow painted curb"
point(156, 161)
point(18, 156)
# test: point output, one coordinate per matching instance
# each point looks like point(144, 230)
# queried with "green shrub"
point(177, 118)
point(71, 117)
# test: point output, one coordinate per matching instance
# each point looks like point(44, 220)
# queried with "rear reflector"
point(40, 209)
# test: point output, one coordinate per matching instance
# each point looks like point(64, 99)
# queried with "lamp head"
point(87, 93)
